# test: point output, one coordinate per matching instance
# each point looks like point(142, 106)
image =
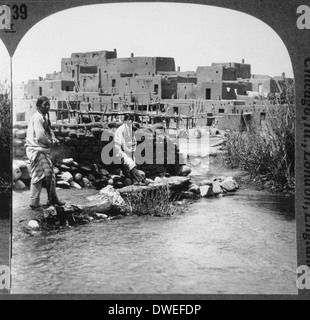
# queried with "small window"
point(221, 110)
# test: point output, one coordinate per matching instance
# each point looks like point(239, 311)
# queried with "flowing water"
point(239, 244)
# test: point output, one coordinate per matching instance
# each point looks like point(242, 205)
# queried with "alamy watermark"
point(5, 278)
point(159, 148)
point(303, 281)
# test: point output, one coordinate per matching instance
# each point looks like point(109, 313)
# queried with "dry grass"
point(156, 202)
point(266, 150)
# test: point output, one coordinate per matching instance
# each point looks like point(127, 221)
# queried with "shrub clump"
point(156, 202)
point(266, 149)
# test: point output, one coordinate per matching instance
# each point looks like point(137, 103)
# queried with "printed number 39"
point(19, 12)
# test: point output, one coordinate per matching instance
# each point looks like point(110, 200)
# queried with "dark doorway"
point(156, 89)
point(208, 94)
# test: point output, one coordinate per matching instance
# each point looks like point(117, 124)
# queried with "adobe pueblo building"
point(99, 84)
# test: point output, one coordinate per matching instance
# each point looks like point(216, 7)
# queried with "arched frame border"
point(281, 16)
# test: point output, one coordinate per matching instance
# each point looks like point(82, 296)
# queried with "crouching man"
point(125, 145)
point(39, 141)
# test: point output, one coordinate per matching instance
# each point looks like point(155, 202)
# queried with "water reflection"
point(237, 244)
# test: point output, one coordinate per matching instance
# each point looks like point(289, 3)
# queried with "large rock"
point(33, 224)
point(158, 180)
point(216, 187)
point(229, 184)
point(194, 189)
point(103, 202)
point(142, 173)
point(22, 164)
point(206, 191)
point(16, 173)
point(185, 171)
point(19, 185)
point(67, 176)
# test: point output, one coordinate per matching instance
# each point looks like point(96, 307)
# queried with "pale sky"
point(195, 35)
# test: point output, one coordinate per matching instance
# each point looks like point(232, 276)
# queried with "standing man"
point(125, 145)
point(39, 141)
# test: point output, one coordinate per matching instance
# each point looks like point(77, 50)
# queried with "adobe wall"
point(242, 70)
point(53, 88)
point(84, 144)
point(265, 85)
point(206, 74)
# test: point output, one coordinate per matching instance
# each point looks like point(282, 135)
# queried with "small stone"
point(104, 172)
point(68, 162)
point(194, 189)
point(229, 184)
point(142, 173)
point(87, 183)
point(91, 178)
point(67, 176)
point(63, 167)
point(217, 188)
point(101, 216)
point(206, 191)
point(33, 224)
point(19, 185)
point(22, 164)
point(78, 177)
point(17, 173)
point(158, 180)
point(75, 185)
point(185, 171)
point(63, 184)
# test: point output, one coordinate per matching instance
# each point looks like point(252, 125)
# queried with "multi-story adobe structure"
point(100, 81)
